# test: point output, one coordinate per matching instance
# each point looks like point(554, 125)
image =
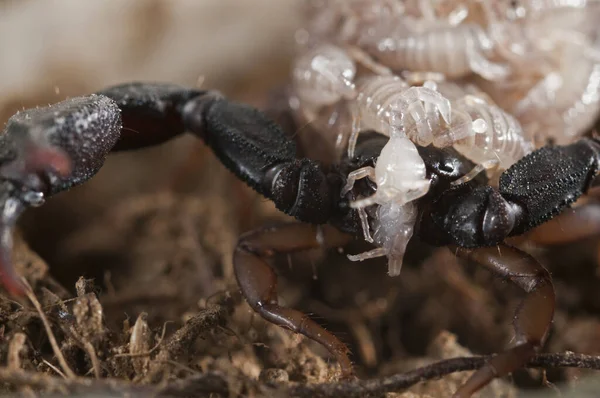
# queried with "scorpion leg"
point(487, 165)
point(363, 172)
point(355, 130)
point(258, 281)
point(423, 104)
point(532, 318)
point(364, 59)
point(479, 63)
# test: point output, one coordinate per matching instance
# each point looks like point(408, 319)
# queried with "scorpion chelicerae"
point(47, 150)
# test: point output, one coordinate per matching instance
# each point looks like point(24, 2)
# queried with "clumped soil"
point(136, 296)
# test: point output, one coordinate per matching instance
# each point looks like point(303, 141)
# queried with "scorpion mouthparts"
point(45, 158)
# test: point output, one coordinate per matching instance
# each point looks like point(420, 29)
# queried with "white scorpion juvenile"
point(555, 99)
point(384, 102)
point(478, 129)
point(323, 76)
point(481, 130)
point(323, 81)
point(455, 51)
point(401, 178)
point(564, 104)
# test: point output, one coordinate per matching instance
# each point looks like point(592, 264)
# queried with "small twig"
point(183, 338)
point(149, 352)
point(402, 381)
point(61, 359)
point(179, 365)
point(93, 357)
point(217, 383)
point(76, 385)
point(61, 302)
point(197, 385)
point(15, 347)
point(54, 368)
point(9, 300)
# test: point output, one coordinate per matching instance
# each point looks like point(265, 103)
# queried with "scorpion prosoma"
point(47, 150)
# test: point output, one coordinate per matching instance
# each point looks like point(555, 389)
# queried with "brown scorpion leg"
point(532, 318)
point(258, 281)
point(571, 226)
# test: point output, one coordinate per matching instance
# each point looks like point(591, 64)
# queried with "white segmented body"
point(564, 104)
point(323, 76)
point(534, 58)
point(561, 103)
point(465, 119)
point(442, 134)
point(557, 13)
point(340, 20)
point(384, 102)
point(399, 174)
point(503, 140)
point(455, 51)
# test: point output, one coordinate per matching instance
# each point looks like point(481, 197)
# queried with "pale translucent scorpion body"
point(323, 76)
point(536, 60)
point(401, 178)
point(471, 123)
point(482, 131)
point(323, 81)
point(455, 51)
point(564, 104)
point(387, 103)
point(393, 228)
point(381, 105)
point(443, 114)
point(556, 91)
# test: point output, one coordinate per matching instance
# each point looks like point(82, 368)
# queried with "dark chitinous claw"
point(40, 161)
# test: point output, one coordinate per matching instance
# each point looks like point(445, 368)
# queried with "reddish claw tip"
point(44, 158)
point(13, 286)
point(9, 278)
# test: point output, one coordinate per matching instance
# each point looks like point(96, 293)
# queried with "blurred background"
point(55, 49)
point(51, 50)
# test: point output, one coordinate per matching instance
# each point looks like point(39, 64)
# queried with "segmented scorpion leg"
point(258, 281)
point(532, 318)
point(489, 164)
point(363, 172)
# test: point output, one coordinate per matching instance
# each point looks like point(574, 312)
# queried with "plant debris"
point(154, 311)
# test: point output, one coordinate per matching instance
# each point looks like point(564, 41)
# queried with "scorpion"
point(48, 150)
